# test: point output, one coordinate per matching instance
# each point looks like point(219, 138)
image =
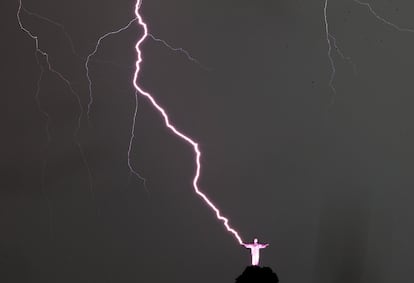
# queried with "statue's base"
point(257, 274)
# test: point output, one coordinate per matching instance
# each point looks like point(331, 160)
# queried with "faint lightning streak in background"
point(44, 163)
point(382, 19)
point(69, 85)
point(134, 119)
point(328, 40)
point(68, 37)
point(339, 51)
point(172, 128)
point(50, 68)
point(59, 25)
point(329, 36)
point(37, 97)
point(88, 59)
point(93, 53)
point(178, 49)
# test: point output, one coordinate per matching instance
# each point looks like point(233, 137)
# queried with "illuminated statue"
point(255, 250)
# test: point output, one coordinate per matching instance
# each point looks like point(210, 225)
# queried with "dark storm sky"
point(326, 179)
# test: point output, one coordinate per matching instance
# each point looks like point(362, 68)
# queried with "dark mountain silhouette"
point(257, 274)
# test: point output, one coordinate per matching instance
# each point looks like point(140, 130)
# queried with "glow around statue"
point(255, 250)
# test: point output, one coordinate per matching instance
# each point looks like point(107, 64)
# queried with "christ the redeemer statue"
point(255, 250)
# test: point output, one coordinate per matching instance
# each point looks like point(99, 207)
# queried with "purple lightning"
point(138, 90)
point(88, 60)
point(119, 30)
point(172, 127)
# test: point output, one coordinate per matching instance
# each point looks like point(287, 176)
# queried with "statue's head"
point(255, 240)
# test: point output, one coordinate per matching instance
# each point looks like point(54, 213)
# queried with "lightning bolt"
point(328, 41)
point(132, 136)
point(173, 129)
point(59, 25)
point(68, 37)
point(139, 90)
point(108, 34)
point(50, 68)
point(339, 51)
point(331, 46)
point(180, 50)
point(88, 58)
point(131, 141)
point(87, 62)
point(48, 139)
point(375, 14)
